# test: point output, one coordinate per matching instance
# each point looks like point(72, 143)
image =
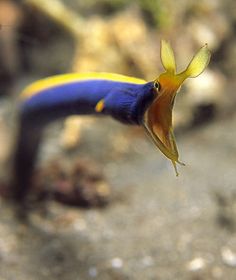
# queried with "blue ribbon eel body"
point(123, 98)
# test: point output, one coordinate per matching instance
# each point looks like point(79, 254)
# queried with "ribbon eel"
point(127, 99)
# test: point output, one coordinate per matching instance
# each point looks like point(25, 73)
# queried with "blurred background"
point(138, 220)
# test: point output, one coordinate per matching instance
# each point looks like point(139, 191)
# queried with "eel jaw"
point(157, 122)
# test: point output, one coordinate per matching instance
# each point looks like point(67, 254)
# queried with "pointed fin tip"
point(181, 163)
point(175, 166)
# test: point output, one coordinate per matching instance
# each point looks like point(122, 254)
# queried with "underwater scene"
point(117, 150)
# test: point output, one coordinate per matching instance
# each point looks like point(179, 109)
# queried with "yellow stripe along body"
point(58, 80)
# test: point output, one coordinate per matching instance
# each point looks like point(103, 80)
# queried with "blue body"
point(125, 102)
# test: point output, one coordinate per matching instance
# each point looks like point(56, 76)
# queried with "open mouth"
point(158, 124)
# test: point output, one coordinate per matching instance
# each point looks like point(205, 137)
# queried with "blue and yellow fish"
point(127, 99)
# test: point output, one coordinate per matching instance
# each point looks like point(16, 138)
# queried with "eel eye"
point(157, 85)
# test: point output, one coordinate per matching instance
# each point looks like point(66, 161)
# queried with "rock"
point(196, 264)
point(117, 263)
point(228, 257)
